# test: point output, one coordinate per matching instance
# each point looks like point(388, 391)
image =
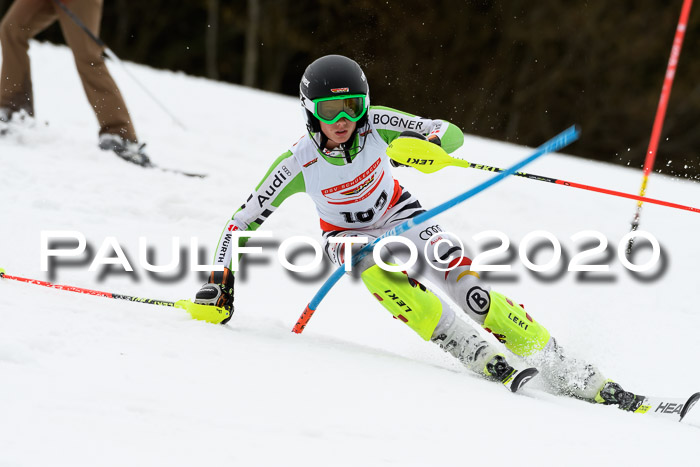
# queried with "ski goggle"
point(331, 109)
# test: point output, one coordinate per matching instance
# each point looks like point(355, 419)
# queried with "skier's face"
point(338, 133)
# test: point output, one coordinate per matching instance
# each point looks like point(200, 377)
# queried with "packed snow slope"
point(88, 381)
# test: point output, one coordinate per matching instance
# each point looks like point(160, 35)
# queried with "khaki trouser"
point(24, 20)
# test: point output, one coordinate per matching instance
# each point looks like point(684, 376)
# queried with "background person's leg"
point(24, 20)
point(101, 90)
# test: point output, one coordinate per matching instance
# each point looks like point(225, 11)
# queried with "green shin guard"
point(407, 300)
point(516, 329)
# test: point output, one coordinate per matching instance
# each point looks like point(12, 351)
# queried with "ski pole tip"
point(575, 130)
point(303, 319)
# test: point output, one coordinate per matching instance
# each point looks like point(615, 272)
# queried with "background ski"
point(177, 171)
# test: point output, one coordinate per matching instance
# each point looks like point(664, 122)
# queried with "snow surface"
point(90, 381)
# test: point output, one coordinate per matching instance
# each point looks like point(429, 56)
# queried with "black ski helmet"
point(331, 76)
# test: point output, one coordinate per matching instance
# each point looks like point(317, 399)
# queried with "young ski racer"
point(341, 163)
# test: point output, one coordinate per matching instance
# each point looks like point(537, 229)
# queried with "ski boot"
point(612, 393)
point(127, 150)
point(9, 118)
point(463, 342)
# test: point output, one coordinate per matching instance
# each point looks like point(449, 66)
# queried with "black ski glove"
point(412, 134)
point(218, 291)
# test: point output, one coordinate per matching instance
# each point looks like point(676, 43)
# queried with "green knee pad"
point(413, 304)
point(511, 325)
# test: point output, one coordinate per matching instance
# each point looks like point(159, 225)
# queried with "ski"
point(667, 407)
point(519, 378)
point(176, 171)
point(5, 131)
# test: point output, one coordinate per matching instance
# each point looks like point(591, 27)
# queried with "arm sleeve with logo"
point(389, 123)
point(283, 179)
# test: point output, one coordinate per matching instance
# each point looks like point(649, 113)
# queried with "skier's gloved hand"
point(218, 291)
point(435, 139)
point(396, 164)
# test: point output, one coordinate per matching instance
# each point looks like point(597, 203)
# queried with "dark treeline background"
point(515, 70)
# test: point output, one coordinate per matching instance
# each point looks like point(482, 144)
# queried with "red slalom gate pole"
point(661, 111)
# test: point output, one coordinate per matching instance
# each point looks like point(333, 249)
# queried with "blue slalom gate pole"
point(562, 140)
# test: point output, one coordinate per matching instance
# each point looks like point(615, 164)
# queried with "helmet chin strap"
point(323, 139)
point(345, 150)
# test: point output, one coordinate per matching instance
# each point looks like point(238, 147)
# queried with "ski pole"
point(208, 313)
point(661, 112)
point(561, 140)
point(433, 158)
point(116, 59)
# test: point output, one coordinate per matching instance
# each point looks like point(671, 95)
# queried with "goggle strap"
point(309, 105)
